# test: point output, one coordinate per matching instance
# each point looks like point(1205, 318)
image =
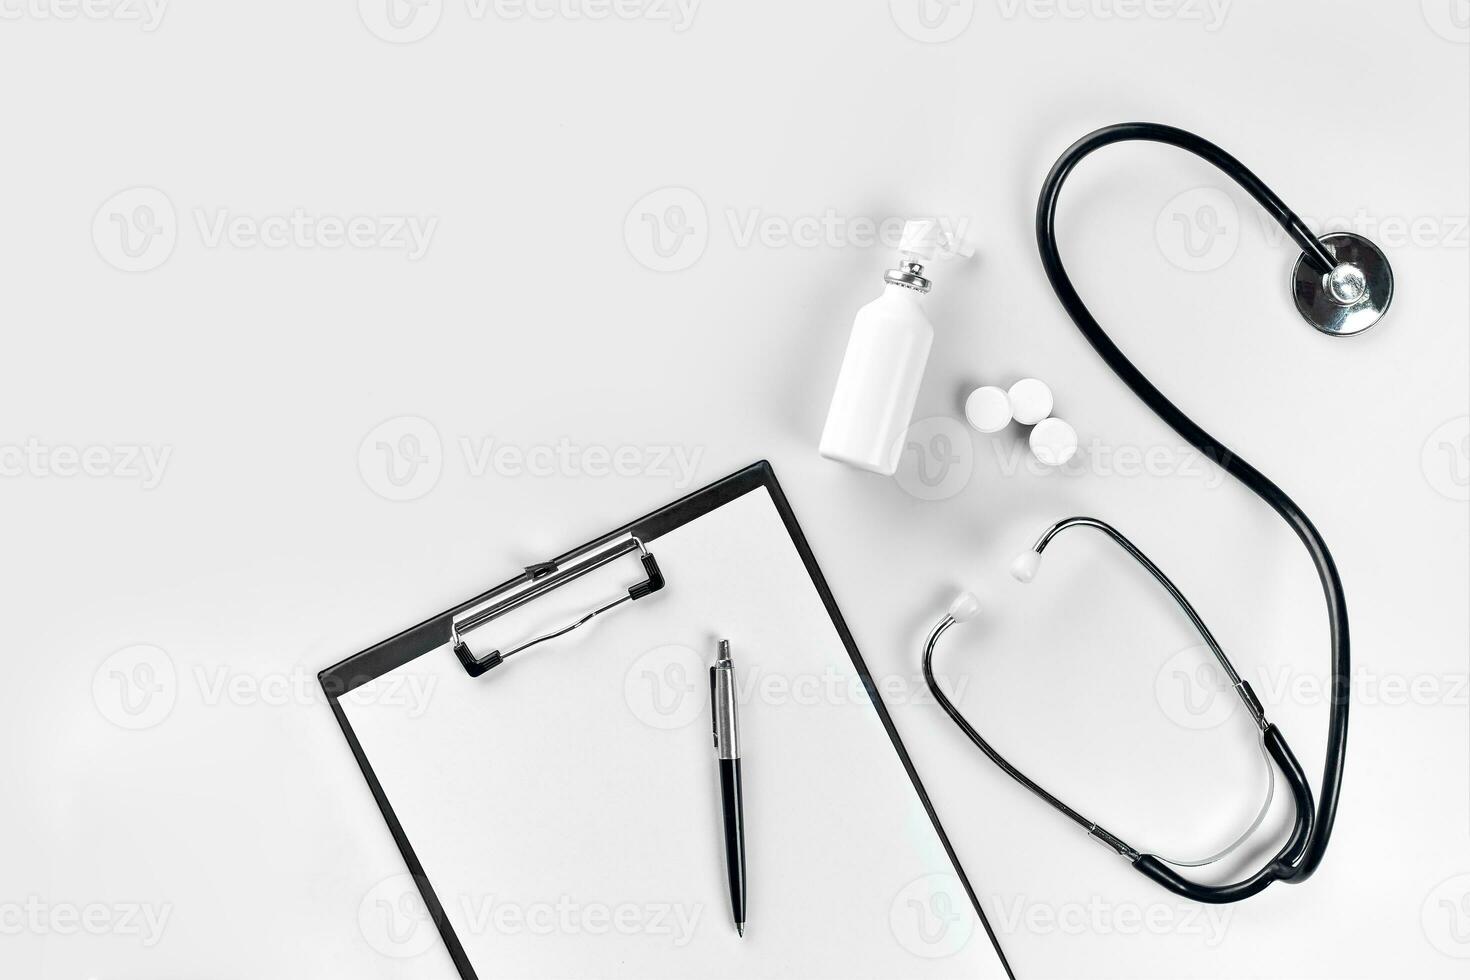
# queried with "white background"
point(167, 754)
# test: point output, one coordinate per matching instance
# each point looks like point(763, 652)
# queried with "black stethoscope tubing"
point(1306, 845)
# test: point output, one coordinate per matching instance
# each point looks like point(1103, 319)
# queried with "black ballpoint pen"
point(727, 750)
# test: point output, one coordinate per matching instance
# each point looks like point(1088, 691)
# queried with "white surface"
point(275, 543)
point(1053, 442)
point(1031, 400)
point(988, 409)
point(586, 776)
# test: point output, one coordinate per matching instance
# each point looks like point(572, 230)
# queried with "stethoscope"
point(1342, 285)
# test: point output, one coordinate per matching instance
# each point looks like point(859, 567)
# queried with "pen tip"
point(740, 929)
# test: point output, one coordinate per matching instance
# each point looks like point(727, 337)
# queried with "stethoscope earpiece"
point(1026, 565)
point(965, 607)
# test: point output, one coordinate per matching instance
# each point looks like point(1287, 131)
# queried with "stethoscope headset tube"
point(1306, 845)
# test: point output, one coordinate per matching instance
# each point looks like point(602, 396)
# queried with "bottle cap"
point(923, 242)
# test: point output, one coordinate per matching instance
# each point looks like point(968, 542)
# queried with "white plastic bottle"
point(886, 354)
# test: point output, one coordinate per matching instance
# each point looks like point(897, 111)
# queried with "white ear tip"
point(966, 606)
point(1025, 566)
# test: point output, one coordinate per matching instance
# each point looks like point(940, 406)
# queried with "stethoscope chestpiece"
point(1350, 298)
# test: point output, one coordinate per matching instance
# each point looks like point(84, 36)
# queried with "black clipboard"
point(430, 635)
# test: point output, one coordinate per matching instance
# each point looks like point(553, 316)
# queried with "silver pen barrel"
point(722, 705)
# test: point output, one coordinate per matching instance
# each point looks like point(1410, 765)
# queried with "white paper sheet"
point(566, 805)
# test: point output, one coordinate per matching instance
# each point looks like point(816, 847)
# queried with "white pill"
point(988, 409)
point(1031, 401)
point(1053, 442)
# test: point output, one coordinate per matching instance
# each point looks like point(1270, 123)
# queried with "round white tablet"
point(1031, 401)
point(1053, 442)
point(988, 409)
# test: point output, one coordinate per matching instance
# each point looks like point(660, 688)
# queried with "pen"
point(727, 750)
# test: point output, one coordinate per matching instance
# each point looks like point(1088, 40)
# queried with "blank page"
point(565, 806)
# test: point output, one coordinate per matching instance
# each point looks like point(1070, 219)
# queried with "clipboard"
point(553, 820)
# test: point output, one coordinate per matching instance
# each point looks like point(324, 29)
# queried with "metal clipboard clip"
point(544, 578)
